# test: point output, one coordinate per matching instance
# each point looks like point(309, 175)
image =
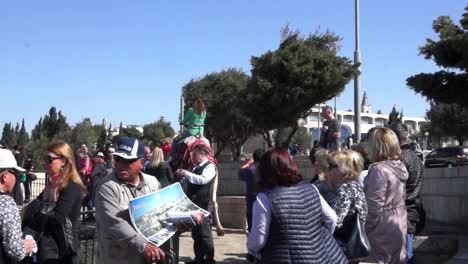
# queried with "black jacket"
point(67, 206)
point(414, 184)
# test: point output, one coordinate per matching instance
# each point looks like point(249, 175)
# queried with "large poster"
point(153, 215)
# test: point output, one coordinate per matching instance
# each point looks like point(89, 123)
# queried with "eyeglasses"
point(50, 159)
point(124, 161)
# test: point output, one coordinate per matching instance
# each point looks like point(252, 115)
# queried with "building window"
point(340, 118)
point(380, 121)
point(314, 117)
point(348, 119)
point(410, 124)
point(366, 120)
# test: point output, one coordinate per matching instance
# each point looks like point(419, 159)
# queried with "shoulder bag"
point(357, 246)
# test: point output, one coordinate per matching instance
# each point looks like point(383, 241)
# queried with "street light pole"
point(357, 60)
point(181, 114)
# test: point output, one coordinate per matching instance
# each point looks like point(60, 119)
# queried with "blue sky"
point(127, 60)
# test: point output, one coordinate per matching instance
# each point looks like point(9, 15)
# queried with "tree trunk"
point(219, 149)
point(291, 134)
point(268, 139)
point(460, 140)
point(235, 150)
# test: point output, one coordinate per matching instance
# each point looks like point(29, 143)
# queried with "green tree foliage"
point(37, 130)
point(103, 140)
point(395, 116)
point(131, 132)
point(17, 128)
point(448, 120)
point(8, 136)
point(449, 52)
point(224, 94)
point(22, 138)
point(154, 132)
point(288, 82)
point(83, 133)
point(52, 126)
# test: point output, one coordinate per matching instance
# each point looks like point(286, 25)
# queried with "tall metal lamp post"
point(357, 60)
point(426, 135)
point(181, 113)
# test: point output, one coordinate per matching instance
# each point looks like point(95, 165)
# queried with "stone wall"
point(230, 185)
point(445, 195)
point(231, 192)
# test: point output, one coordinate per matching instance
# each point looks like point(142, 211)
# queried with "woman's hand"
point(29, 245)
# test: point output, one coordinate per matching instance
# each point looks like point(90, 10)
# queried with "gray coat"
point(118, 241)
point(386, 229)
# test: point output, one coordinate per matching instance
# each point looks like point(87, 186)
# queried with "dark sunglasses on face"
point(49, 159)
point(124, 161)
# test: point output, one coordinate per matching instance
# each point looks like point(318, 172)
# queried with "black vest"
point(297, 233)
point(200, 194)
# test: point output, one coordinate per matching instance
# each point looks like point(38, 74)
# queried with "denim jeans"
point(409, 248)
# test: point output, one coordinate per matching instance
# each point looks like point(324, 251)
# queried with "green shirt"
point(194, 119)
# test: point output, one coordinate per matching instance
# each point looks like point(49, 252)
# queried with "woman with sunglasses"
point(59, 240)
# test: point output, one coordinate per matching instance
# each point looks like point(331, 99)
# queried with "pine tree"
point(22, 136)
point(450, 52)
point(8, 136)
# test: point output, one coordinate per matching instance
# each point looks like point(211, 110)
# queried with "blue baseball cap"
point(130, 148)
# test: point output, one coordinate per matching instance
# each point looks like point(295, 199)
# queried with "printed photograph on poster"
point(155, 214)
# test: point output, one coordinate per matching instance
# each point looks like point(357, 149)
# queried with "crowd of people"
point(372, 188)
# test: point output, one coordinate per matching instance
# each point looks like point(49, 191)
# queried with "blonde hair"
point(349, 162)
point(68, 172)
point(321, 162)
point(156, 158)
point(383, 145)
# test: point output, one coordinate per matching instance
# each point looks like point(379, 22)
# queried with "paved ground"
point(437, 248)
point(230, 248)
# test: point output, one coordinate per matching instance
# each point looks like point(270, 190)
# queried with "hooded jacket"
point(386, 224)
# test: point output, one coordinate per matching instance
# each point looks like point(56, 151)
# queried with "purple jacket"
point(386, 227)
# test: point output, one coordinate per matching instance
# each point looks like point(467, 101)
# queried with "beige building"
point(346, 118)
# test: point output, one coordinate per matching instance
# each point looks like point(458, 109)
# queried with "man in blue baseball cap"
point(118, 241)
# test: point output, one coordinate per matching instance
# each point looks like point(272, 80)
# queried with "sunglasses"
point(50, 159)
point(124, 161)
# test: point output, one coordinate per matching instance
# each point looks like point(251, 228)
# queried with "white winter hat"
point(8, 161)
